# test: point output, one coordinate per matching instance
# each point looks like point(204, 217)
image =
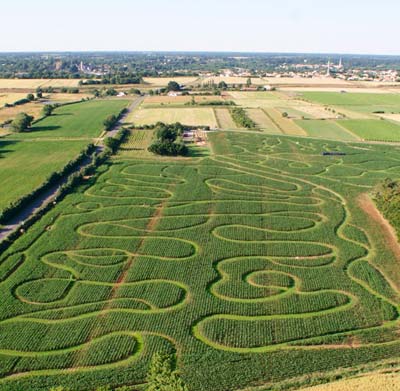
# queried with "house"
point(174, 93)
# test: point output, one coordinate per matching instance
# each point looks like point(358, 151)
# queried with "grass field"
point(78, 120)
point(254, 265)
point(379, 130)
point(27, 159)
point(326, 129)
point(187, 116)
point(24, 166)
point(359, 102)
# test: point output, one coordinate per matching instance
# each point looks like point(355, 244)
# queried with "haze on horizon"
point(309, 26)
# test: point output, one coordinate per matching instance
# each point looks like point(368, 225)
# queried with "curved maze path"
point(258, 249)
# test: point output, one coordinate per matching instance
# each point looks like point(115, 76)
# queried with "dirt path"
point(387, 231)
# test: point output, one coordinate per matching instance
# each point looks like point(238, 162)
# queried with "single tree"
point(21, 122)
point(110, 122)
point(222, 85)
point(47, 110)
point(173, 86)
point(248, 82)
point(30, 97)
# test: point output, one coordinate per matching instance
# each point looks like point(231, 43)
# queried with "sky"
point(306, 26)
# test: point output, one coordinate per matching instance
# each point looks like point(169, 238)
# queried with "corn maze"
point(253, 265)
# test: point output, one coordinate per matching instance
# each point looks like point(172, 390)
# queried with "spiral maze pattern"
point(253, 250)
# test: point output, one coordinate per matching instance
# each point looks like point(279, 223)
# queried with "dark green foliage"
point(173, 86)
point(162, 377)
point(21, 123)
point(241, 264)
point(241, 118)
point(166, 143)
point(387, 197)
point(110, 122)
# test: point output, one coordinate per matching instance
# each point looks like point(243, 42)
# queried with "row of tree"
point(241, 118)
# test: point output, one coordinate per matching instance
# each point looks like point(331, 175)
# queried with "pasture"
point(254, 265)
point(187, 116)
point(24, 166)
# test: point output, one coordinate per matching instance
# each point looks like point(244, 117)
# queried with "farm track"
point(264, 235)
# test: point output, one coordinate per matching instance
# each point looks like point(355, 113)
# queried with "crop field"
point(375, 130)
point(136, 144)
point(25, 165)
point(254, 265)
point(186, 116)
point(326, 129)
point(78, 120)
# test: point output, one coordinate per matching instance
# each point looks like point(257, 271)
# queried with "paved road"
point(136, 103)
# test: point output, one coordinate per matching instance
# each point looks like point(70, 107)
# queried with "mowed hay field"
point(25, 165)
point(9, 113)
point(163, 81)
point(263, 121)
point(233, 80)
point(78, 120)
point(186, 116)
point(35, 83)
point(369, 382)
point(151, 101)
point(254, 265)
point(10, 98)
point(285, 125)
point(326, 129)
point(224, 118)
